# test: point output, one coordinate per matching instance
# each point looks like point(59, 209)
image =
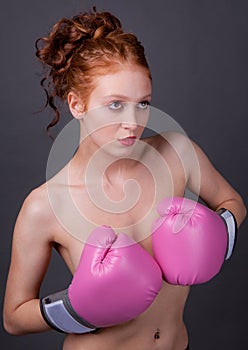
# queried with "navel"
point(157, 334)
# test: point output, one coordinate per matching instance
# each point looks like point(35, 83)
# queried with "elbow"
point(12, 330)
point(242, 212)
point(10, 327)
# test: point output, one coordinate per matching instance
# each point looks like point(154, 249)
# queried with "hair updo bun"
point(78, 50)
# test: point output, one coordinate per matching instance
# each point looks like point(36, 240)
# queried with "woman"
point(103, 75)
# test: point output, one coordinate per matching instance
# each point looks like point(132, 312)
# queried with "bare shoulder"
point(178, 154)
point(35, 216)
point(36, 204)
point(170, 142)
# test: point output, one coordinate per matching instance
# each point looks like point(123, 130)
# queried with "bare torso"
point(70, 205)
point(161, 326)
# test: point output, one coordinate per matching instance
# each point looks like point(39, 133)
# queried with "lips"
point(128, 141)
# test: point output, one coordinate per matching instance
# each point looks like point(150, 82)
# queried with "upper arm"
point(206, 181)
point(201, 177)
point(31, 251)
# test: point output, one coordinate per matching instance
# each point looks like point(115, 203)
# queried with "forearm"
point(25, 319)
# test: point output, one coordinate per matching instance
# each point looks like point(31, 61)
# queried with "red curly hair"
point(78, 50)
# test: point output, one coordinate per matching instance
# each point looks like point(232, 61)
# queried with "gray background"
point(198, 55)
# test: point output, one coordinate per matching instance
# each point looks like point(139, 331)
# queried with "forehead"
point(131, 83)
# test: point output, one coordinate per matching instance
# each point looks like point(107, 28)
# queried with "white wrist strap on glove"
point(59, 315)
point(231, 226)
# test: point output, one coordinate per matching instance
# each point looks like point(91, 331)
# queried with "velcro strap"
point(231, 225)
point(57, 315)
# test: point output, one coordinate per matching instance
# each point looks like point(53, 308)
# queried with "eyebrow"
point(123, 97)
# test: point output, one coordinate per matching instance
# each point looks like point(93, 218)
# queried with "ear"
point(75, 105)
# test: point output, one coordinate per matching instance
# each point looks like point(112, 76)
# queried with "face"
point(117, 111)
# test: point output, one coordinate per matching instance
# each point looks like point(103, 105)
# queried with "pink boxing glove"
point(190, 241)
point(116, 280)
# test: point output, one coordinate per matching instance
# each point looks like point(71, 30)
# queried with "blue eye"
point(144, 104)
point(115, 105)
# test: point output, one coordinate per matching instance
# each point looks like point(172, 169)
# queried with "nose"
point(128, 125)
point(129, 120)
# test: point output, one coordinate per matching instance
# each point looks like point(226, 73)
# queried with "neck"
point(91, 164)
